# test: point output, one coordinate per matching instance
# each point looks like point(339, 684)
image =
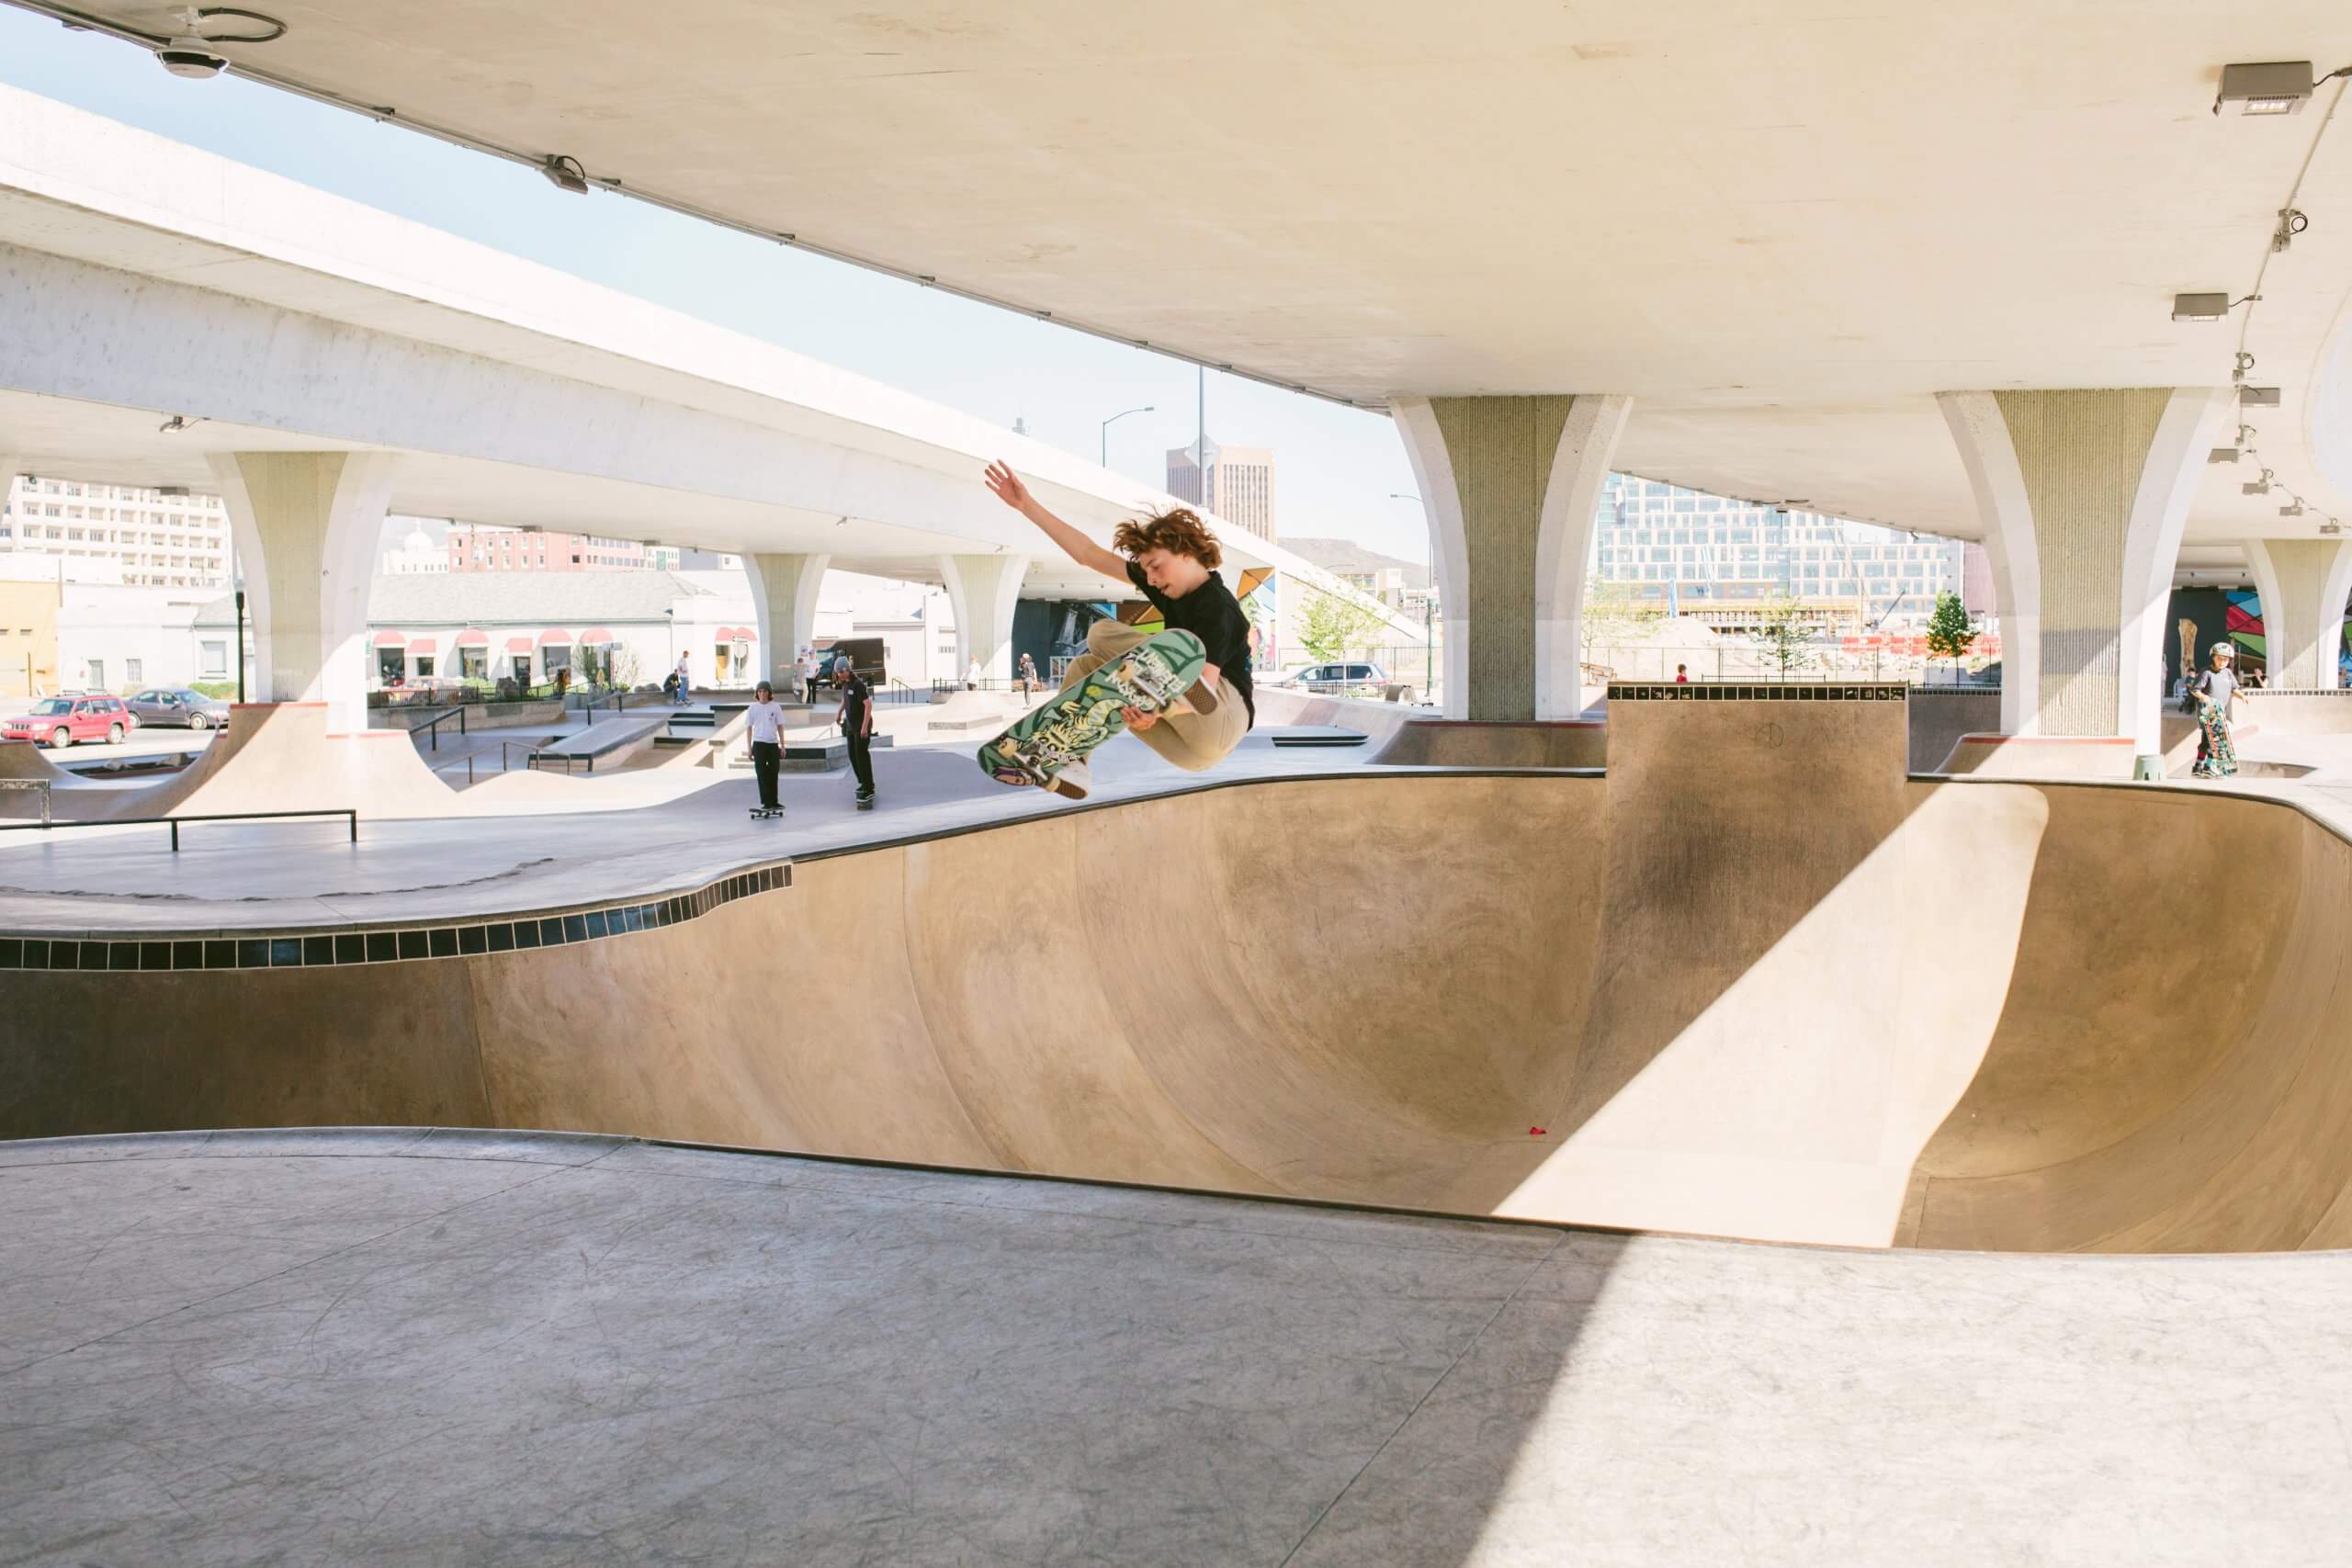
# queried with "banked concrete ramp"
point(1756, 982)
point(282, 756)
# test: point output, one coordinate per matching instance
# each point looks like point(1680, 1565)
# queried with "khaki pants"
point(1191, 740)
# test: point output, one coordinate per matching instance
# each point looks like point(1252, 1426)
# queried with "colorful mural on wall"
point(1258, 588)
point(2245, 626)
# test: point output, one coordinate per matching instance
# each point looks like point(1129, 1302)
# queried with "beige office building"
point(162, 538)
point(1240, 484)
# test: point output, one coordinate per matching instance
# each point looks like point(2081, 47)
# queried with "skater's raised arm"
point(1006, 486)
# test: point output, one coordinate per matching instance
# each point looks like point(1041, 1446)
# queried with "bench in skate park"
point(610, 741)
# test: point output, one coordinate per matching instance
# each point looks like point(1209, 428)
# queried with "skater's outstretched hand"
point(1138, 719)
point(1006, 486)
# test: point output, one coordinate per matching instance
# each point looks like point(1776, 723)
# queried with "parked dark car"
point(178, 705)
point(61, 721)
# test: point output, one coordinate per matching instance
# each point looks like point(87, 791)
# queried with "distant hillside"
point(1338, 555)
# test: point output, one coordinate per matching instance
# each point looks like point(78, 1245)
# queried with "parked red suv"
point(61, 721)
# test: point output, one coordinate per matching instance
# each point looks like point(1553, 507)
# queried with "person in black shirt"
point(857, 717)
point(1171, 559)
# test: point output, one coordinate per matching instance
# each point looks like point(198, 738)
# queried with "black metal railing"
point(174, 822)
point(431, 729)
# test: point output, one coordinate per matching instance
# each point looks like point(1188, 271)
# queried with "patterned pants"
point(1191, 740)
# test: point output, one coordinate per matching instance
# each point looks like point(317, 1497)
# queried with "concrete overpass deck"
point(412, 1346)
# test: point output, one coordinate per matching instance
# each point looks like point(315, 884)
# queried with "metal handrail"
point(174, 822)
point(431, 726)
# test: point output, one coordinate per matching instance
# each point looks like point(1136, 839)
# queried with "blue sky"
point(1335, 467)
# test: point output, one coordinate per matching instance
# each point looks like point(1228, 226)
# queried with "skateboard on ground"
point(761, 813)
point(865, 803)
point(1152, 676)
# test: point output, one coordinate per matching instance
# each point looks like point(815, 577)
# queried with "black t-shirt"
point(1212, 613)
point(857, 696)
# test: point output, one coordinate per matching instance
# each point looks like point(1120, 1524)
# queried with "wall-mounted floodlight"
point(2259, 397)
point(2199, 306)
point(2277, 86)
point(564, 174)
point(2331, 526)
point(2292, 509)
point(2222, 455)
point(2257, 487)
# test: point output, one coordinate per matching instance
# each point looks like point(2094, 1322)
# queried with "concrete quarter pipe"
point(1755, 982)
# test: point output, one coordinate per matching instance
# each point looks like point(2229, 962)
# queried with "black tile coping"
point(1759, 692)
point(314, 950)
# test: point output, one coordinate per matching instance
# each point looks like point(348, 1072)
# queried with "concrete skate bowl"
point(2000, 1016)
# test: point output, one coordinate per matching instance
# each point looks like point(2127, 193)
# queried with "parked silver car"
point(178, 705)
point(1350, 680)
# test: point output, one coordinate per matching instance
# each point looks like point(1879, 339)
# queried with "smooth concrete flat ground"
point(406, 1349)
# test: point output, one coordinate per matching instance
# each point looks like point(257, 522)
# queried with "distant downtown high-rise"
point(1241, 486)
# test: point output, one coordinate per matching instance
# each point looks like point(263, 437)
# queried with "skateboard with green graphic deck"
point(1152, 677)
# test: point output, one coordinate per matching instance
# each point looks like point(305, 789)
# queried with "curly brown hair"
point(1179, 531)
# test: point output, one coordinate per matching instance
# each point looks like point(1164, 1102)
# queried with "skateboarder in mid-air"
point(1171, 559)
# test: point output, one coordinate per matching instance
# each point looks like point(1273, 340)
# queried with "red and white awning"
point(552, 638)
point(424, 645)
point(391, 639)
point(518, 645)
point(470, 638)
point(597, 637)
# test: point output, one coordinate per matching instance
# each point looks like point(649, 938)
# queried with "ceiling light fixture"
point(2257, 487)
point(2292, 509)
point(177, 424)
point(2277, 86)
point(191, 52)
point(2331, 526)
point(2291, 223)
point(2222, 455)
point(2259, 397)
point(2199, 306)
point(564, 173)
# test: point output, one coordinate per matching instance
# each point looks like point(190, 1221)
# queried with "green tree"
point(621, 667)
point(1951, 630)
point(1615, 614)
point(1332, 625)
point(1784, 629)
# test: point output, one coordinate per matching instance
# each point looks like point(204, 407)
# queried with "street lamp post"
point(1114, 419)
point(1429, 602)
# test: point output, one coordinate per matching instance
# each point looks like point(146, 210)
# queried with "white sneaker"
point(1074, 782)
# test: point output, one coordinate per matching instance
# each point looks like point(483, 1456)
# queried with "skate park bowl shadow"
point(1755, 982)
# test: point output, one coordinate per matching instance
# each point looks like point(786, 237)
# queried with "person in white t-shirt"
point(764, 725)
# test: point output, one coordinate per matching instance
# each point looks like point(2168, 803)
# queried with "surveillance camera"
point(192, 57)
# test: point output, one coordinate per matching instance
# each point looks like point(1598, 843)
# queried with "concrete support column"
point(2083, 495)
point(1510, 486)
point(307, 525)
point(784, 604)
point(982, 590)
point(2304, 584)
